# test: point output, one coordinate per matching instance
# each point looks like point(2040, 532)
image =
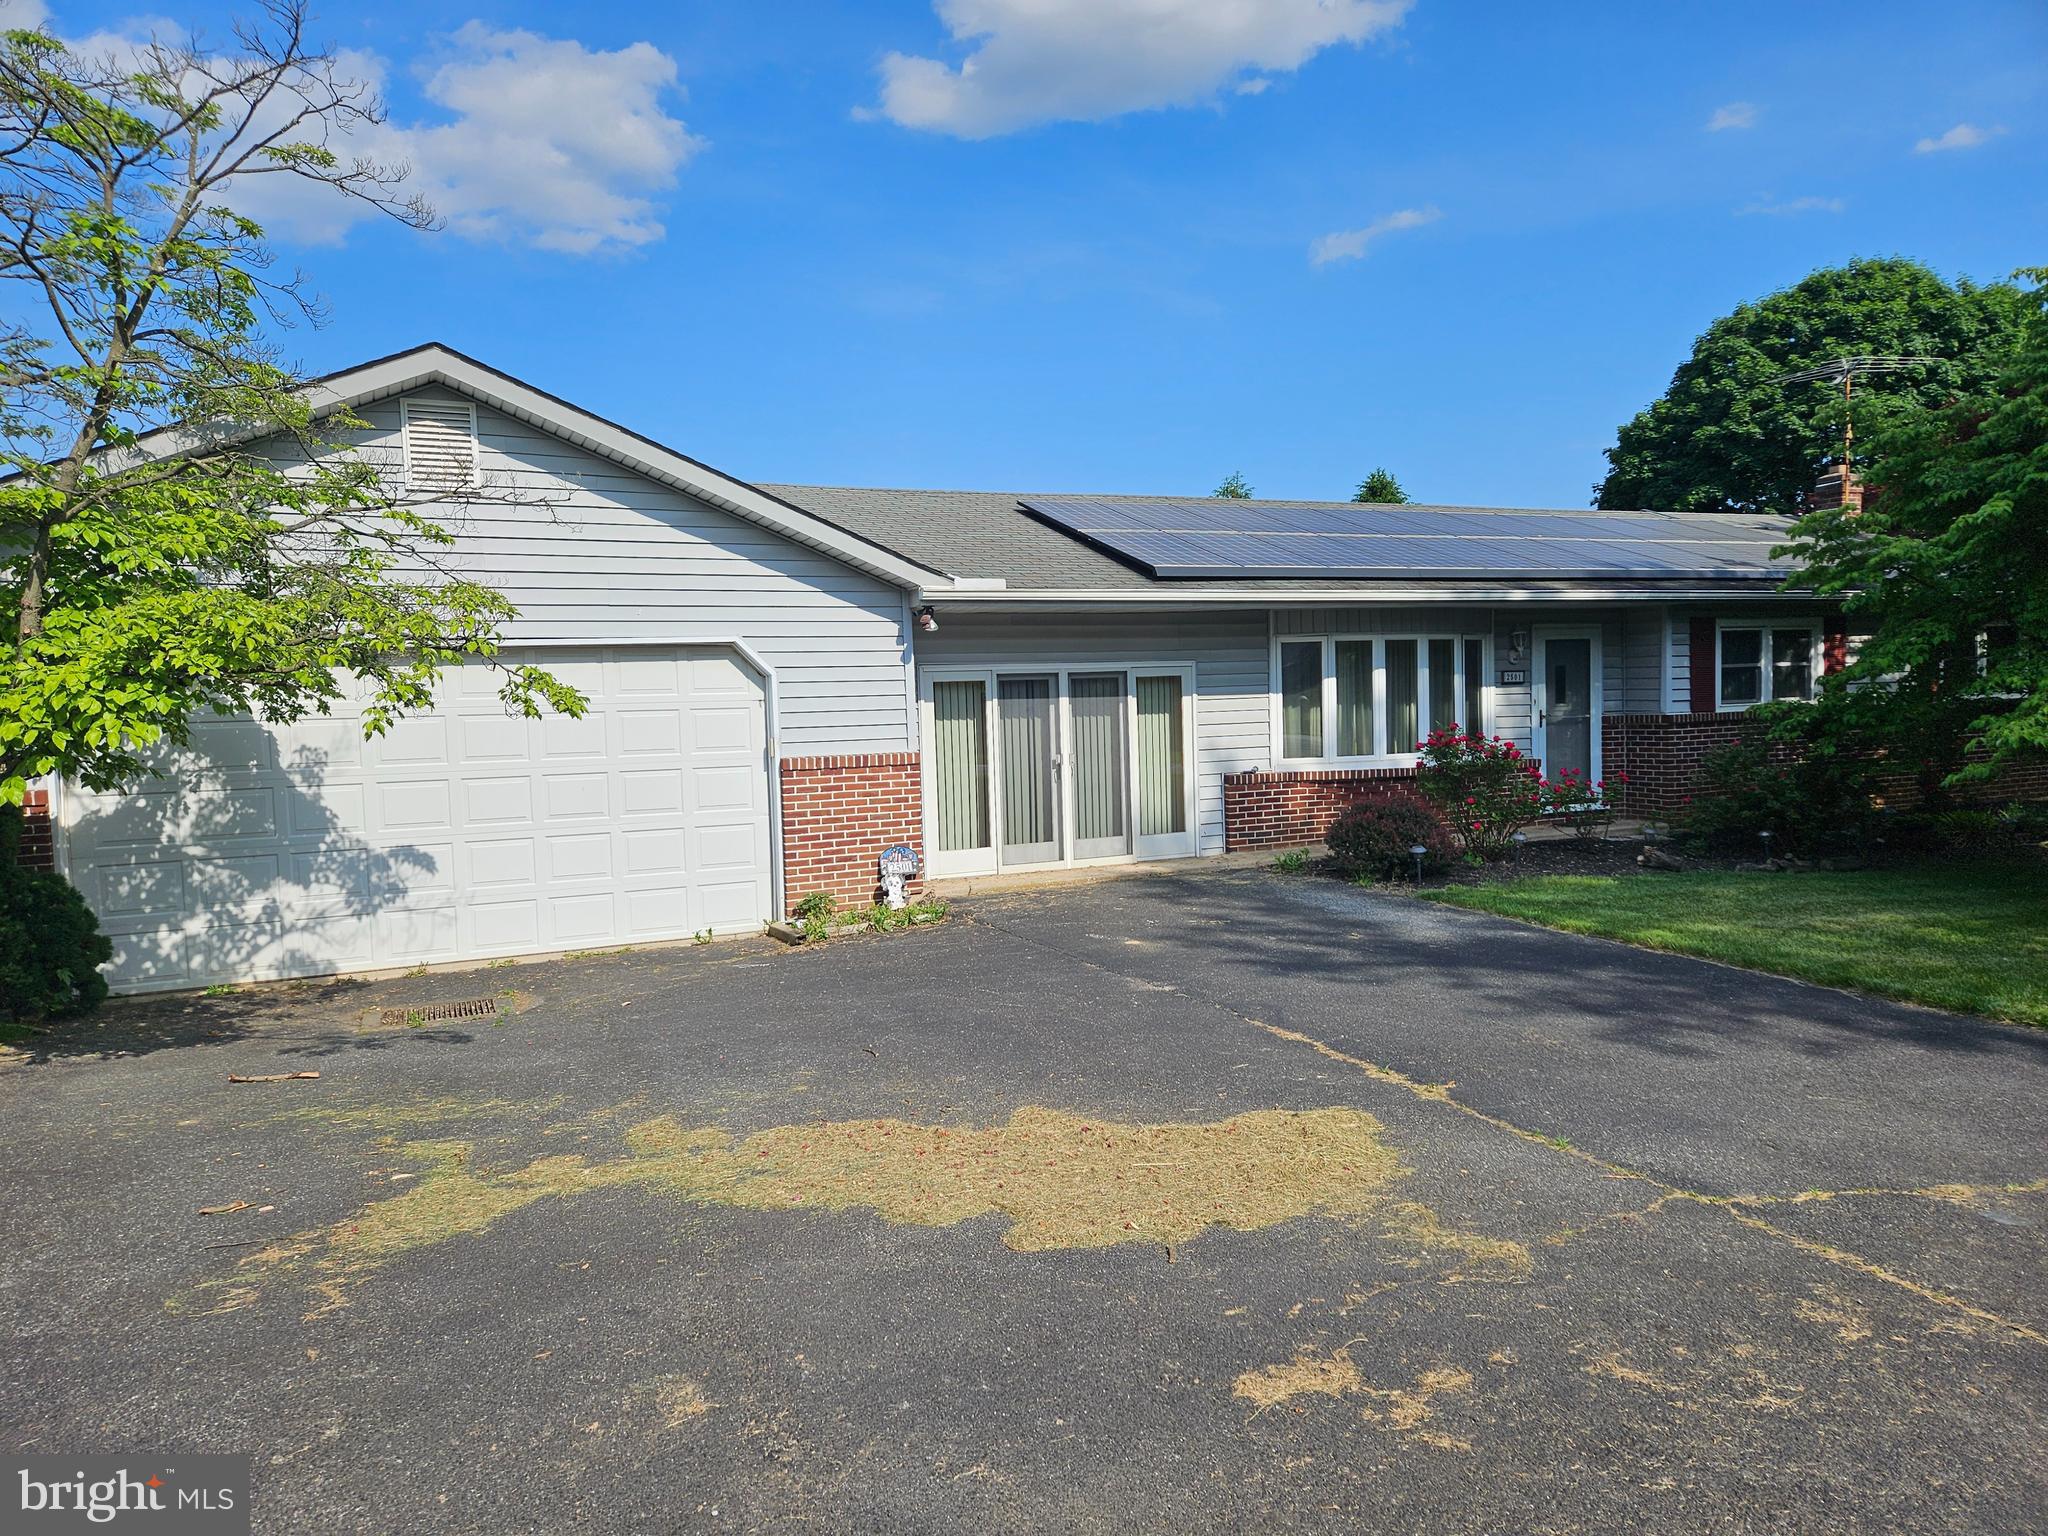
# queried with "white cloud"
point(1040, 61)
point(1962, 136)
point(1737, 114)
point(1350, 244)
point(1791, 205)
point(22, 15)
point(539, 141)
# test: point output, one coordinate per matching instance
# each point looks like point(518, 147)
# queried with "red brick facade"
point(1292, 807)
point(1661, 755)
point(38, 833)
point(839, 813)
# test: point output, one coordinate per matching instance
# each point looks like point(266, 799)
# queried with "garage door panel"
point(725, 789)
point(228, 815)
point(658, 675)
point(298, 850)
point(564, 740)
point(726, 729)
point(576, 796)
point(506, 926)
point(317, 749)
point(415, 805)
point(727, 903)
point(650, 732)
point(132, 890)
point(326, 813)
point(406, 935)
point(494, 739)
point(501, 862)
point(497, 802)
point(657, 852)
point(581, 856)
point(418, 742)
point(582, 919)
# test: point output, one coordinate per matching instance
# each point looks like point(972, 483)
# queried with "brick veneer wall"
point(38, 835)
point(839, 813)
point(1289, 807)
point(1661, 755)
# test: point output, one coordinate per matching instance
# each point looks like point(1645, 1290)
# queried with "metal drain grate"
point(434, 1013)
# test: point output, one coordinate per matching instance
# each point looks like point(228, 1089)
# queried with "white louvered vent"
point(440, 444)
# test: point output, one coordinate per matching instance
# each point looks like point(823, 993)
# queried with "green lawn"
point(1972, 937)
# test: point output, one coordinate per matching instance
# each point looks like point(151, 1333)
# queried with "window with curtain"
point(1403, 713)
point(1354, 698)
point(1791, 663)
point(1443, 684)
point(1381, 697)
point(1301, 699)
point(1742, 666)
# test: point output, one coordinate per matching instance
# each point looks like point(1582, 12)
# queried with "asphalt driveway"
point(1524, 1232)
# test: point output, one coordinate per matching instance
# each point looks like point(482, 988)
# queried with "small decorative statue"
point(897, 864)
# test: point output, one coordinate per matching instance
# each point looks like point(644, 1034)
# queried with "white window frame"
point(989, 860)
point(1384, 753)
point(1768, 628)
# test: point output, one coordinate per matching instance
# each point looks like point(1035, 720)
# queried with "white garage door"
point(461, 833)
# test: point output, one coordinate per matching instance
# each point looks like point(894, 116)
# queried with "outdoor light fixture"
point(1766, 836)
point(1518, 840)
point(1518, 644)
point(1418, 851)
point(927, 621)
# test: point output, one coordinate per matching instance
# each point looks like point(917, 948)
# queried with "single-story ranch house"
point(784, 680)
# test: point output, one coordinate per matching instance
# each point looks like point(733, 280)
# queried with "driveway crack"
point(1739, 1208)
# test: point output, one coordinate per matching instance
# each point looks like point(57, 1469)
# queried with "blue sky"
point(797, 242)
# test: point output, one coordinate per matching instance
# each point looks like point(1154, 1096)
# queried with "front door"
point(1568, 705)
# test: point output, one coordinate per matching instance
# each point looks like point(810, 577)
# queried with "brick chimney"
point(1838, 486)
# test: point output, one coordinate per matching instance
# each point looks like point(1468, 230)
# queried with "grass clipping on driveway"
point(1063, 1180)
point(1971, 937)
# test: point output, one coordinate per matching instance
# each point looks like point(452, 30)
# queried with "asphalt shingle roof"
point(987, 534)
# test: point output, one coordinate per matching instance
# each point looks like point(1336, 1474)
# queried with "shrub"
point(1784, 776)
point(1372, 837)
point(51, 946)
point(1485, 788)
point(1575, 801)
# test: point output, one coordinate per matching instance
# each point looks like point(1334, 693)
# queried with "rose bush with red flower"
point(1484, 784)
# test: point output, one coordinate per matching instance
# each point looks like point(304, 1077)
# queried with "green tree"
point(1233, 488)
point(1946, 568)
point(1729, 435)
point(146, 577)
point(1380, 487)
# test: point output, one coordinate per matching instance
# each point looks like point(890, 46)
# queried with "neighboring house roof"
point(991, 535)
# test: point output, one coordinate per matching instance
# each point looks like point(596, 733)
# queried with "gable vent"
point(440, 444)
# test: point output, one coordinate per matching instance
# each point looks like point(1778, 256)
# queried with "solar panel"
point(1209, 539)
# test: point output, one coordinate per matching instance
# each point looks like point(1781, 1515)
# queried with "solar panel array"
point(1212, 538)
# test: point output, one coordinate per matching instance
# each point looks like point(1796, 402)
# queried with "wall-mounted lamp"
point(927, 621)
point(1518, 645)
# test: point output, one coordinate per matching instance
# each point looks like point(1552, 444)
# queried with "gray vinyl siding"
point(1229, 652)
point(590, 551)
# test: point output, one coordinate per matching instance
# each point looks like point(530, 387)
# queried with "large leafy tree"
point(1731, 435)
point(179, 531)
point(1947, 569)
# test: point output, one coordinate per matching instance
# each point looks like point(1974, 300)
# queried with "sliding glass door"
point(1034, 768)
point(1097, 704)
point(1166, 824)
point(1026, 721)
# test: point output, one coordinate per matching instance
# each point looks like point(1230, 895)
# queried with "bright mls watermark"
point(162, 1496)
